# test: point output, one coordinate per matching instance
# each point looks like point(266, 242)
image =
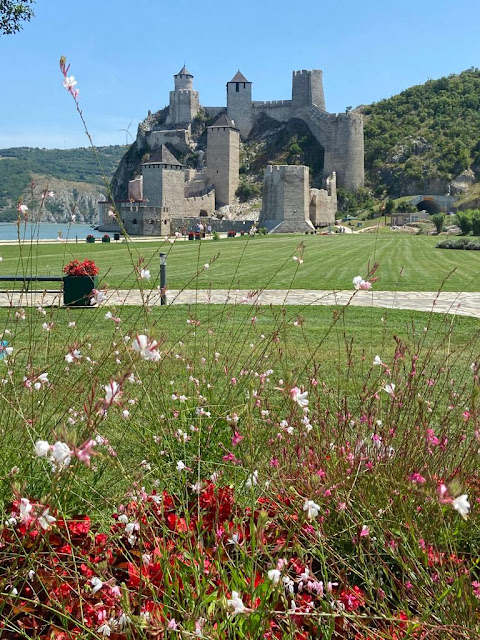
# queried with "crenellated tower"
point(307, 89)
point(223, 159)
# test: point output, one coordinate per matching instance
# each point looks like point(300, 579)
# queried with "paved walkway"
point(465, 304)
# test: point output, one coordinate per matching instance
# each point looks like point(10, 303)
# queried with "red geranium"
point(85, 268)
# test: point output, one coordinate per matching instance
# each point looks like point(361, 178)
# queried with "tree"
point(13, 13)
point(389, 206)
point(438, 219)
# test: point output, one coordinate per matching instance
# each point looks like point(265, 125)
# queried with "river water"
point(46, 231)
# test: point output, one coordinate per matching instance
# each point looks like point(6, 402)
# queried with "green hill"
point(418, 140)
point(20, 165)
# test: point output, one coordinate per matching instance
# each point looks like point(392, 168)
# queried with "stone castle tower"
point(164, 181)
point(223, 159)
point(184, 101)
point(307, 89)
point(286, 199)
point(239, 100)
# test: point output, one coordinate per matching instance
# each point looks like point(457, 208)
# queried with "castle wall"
point(213, 111)
point(138, 220)
point(179, 138)
point(135, 189)
point(286, 199)
point(239, 106)
point(192, 207)
point(223, 162)
point(280, 110)
point(323, 204)
point(183, 225)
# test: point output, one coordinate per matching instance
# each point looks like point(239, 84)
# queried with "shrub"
point(247, 190)
point(216, 235)
point(476, 223)
point(464, 222)
point(459, 243)
point(438, 220)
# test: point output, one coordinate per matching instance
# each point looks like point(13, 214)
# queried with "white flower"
point(96, 583)
point(389, 388)
point(180, 465)
point(146, 348)
point(61, 454)
point(25, 509)
point(42, 448)
point(236, 603)
point(312, 509)
point(97, 297)
point(462, 505)
point(112, 392)
point(105, 630)
point(73, 356)
point(300, 398)
point(69, 82)
point(357, 280)
point(45, 520)
point(145, 274)
point(274, 576)
point(206, 266)
point(377, 361)
point(252, 479)
point(22, 208)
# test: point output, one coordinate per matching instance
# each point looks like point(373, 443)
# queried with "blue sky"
point(124, 55)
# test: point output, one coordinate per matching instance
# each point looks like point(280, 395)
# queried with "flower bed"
point(158, 558)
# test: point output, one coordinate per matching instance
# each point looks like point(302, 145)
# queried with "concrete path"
point(465, 304)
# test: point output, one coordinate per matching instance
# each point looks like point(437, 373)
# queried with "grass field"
point(330, 262)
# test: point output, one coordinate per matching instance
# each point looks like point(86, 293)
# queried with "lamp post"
point(163, 278)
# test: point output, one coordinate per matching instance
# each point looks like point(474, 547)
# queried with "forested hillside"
point(19, 166)
point(423, 137)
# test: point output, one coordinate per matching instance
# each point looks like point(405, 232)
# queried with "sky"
point(124, 54)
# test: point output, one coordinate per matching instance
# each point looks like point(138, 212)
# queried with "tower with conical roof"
point(184, 101)
point(223, 159)
point(239, 103)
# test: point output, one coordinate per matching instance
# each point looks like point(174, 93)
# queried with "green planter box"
point(90, 239)
point(77, 290)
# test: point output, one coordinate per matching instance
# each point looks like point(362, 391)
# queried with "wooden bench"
point(27, 280)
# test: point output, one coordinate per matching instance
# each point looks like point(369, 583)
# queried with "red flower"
point(85, 268)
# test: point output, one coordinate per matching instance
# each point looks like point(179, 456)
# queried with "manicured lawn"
point(330, 262)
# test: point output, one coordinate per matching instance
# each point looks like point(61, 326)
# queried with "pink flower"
point(364, 532)
point(416, 478)
point(236, 438)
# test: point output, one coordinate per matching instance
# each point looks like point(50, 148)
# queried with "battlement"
point(271, 103)
point(302, 72)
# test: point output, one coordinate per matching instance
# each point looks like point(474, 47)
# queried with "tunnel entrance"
point(430, 206)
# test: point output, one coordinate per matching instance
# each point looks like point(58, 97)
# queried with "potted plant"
point(79, 281)
point(90, 238)
point(106, 238)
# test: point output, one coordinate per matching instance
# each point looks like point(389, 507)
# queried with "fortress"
point(165, 196)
